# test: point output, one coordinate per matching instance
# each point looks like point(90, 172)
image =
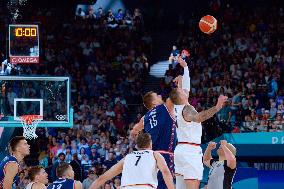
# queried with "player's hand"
point(223, 142)
point(211, 145)
point(134, 133)
point(182, 62)
point(221, 100)
point(178, 81)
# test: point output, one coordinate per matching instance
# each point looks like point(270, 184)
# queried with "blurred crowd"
point(243, 59)
point(106, 55)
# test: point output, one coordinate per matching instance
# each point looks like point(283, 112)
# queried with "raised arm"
point(207, 154)
point(185, 79)
point(190, 114)
point(230, 157)
point(112, 172)
point(137, 127)
point(162, 166)
point(10, 175)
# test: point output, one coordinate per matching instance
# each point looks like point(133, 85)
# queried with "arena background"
point(111, 66)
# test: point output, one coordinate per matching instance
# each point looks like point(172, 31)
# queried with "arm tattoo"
point(189, 113)
point(198, 117)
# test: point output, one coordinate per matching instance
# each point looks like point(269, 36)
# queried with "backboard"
point(45, 96)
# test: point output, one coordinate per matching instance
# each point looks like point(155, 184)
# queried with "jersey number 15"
point(153, 120)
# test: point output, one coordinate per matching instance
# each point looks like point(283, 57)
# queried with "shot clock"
point(23, 43)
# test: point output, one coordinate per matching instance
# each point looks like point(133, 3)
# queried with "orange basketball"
point(208, 24)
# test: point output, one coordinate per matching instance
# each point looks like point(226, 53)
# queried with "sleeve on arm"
point(186, 79)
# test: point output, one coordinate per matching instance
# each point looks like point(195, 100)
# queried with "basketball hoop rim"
point(30, 118)
point(30, 123)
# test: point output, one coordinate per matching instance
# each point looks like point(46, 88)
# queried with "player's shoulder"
point(189, 107)
point(38, 185)
point(11, 165)
point(78, 184)
point(158, 156)
point(10, 158)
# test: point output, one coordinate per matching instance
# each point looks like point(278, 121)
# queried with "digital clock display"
point(25, 32)
point(23, 43)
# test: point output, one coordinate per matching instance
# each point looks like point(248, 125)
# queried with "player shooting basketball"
point(9, 166)
point(188, 153)
point(160, 123)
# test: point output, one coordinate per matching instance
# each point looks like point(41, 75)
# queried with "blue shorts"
point(170, 162)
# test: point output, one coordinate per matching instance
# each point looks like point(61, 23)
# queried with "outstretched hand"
point(221, 101)
point(182, 62)
point(211, 145)
point(178, 81)
point(134, 133)
point(223, 143)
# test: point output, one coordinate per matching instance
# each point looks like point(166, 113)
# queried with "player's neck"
point(144, 149)
point(18, 156)
point(65, 177)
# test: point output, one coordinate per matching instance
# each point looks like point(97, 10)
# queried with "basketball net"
point(30, 123)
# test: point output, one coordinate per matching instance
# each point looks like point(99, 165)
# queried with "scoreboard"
point(23, 43)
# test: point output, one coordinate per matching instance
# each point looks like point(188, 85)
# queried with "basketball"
point(208, 24)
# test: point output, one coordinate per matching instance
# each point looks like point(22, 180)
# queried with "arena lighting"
point(159, 69)
point(114, 5)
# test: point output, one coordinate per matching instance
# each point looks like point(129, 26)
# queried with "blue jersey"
point(62, 184)
point(161, 126)
point(3, 164)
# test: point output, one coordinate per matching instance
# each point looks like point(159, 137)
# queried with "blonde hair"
point(147, 100)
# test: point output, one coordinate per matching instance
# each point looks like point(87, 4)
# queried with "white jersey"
point(190, 132)
point(29, 186)
point(140, 168)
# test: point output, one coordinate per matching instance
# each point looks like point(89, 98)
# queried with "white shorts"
point(137, 187)
point(188, 161)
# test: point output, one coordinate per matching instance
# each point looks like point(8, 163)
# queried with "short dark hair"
point(143, 140)
point(33, 171)
point(61, 169)
point(61, 154)
point(147, 99)
point(14, 142)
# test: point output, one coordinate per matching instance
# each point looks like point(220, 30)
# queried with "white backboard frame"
point(16, 118)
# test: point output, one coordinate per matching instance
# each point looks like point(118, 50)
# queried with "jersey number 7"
point(139, 157)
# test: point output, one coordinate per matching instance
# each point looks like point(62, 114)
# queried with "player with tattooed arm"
point(188, 153)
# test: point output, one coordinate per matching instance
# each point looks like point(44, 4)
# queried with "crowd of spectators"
point(106, 57)
point(243, 59)
point(105, 54)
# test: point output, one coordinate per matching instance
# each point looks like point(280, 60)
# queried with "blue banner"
point(261, 144)
point(255, 138)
